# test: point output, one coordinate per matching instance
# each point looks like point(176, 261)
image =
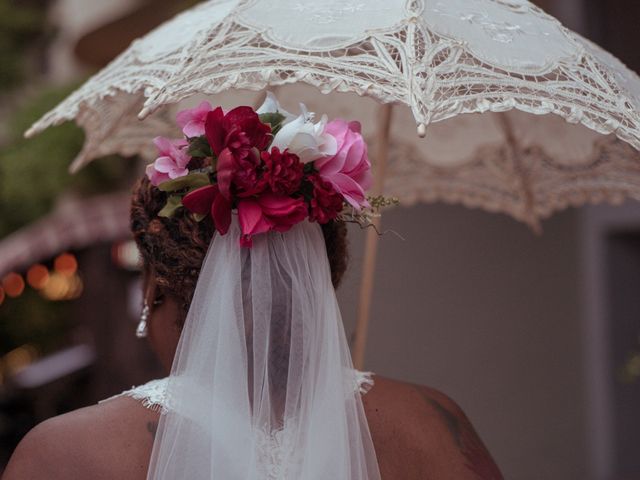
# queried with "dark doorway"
point(623, 262)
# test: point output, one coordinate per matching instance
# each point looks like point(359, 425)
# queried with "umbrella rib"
point(521, 171)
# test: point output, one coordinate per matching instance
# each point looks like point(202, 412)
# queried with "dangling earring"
point(142, 330)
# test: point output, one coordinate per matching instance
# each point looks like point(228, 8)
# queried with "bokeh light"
point(13, 285)
point(66, 264)
point(126, 255)
point(1, 295)
point(18, 359)
point(37, 276)
point(62, 287)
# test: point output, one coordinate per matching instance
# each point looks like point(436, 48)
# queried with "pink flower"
point(208, 200)
point(192, 120)
point(283, 171)
point(269, 212)
point(349, 170)
point(326, 203)
point(172, 162)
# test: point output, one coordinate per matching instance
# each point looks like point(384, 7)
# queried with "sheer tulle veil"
point(262, 383)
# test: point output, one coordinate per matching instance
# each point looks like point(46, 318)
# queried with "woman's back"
point(418, 433)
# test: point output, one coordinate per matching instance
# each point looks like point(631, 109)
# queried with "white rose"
point(305, 138)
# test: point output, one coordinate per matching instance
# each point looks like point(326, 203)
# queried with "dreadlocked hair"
point(173, 249)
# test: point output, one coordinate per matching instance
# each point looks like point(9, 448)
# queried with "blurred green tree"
point(33, 175)
point(19, 26)
point(34, 172)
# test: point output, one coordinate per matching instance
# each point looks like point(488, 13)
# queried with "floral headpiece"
point(274, 168)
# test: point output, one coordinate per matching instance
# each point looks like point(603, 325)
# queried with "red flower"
point(246, 174)
point(326, 203)
point(269, 212)
point(207, 200)
point(283, 171)
point(236, 138)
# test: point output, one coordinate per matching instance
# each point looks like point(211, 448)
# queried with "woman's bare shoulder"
point(110, 440)
point(419, 432)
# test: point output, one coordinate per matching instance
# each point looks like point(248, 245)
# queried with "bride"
point(243, 239)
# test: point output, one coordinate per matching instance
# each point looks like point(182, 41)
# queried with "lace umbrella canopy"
point(552, 119)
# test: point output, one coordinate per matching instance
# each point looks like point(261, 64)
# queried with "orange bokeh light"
point(37, 276)
point(66, 264)
point(13, 285)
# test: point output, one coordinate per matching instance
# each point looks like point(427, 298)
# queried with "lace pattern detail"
point(329, 11)
point(363, 381)
point(153, 394)
point(274, 451)
point(525, 182)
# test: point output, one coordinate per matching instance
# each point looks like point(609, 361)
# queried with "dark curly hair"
point(174, 248)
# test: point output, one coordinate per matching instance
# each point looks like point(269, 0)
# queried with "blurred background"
point(536, 337)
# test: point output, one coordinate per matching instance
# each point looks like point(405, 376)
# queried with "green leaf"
point(199, 147)
point(173, 204)
point(306, 189)
point(191, 181)
point(274, 119)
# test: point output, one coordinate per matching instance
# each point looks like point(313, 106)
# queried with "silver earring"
point(142, 331)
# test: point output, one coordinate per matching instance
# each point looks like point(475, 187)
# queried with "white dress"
point(153, 394)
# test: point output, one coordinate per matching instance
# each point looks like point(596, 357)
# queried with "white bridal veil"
point(262, 384)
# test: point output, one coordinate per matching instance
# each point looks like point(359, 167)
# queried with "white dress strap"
point(153, 394)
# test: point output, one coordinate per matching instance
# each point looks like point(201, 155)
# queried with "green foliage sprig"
point(365, 218)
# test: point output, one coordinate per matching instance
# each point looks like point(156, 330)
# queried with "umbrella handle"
point(371, 243)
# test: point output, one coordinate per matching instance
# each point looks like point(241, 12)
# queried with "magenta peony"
point(283, 171)
point(236, 138)
point(326, 203)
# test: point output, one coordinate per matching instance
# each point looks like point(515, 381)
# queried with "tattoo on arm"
point(152, 428)
point(477, 459)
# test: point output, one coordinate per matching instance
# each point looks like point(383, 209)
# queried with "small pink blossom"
point(172, 162)
point(349, 170)
point(192, 120)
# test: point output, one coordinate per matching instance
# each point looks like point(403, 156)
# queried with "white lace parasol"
point(552, 120)
point(438, 58)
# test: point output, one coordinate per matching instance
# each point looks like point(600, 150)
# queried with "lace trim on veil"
point(153, 394)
